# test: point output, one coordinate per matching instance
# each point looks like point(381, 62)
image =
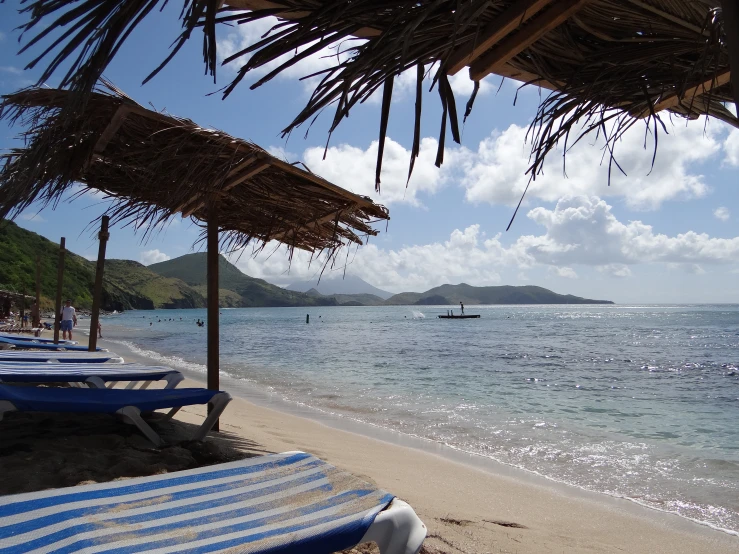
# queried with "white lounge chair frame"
point(132, 415)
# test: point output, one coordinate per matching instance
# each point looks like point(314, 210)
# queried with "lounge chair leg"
point(219, 402)
point(131, 414)
point(95, 382)
point(6, 406)
point(397, 530)
point(173, 379)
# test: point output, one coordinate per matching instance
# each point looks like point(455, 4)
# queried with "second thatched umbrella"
point(154, 166)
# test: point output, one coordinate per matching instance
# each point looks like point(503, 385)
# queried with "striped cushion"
point(283, 503)
point(39, 373)
point(63, 357)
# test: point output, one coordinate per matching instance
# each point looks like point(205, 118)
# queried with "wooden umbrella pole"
point(213, 338)
point(23, 309)
point(98, 290)
point(731, 27)
point(59, 281)
point(37, 314)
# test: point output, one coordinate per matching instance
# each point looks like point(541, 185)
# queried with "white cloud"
point(251, 33)
point(148, 257)
point(583, 230)
point(580, 232)
point(722, 213)
point(566, 272)
point(2, 36)
point(11, 69)
point(693, 269)
point(615, 270)
point(354, 169)
point(496, 172)
point(32, 217)
point(466, 257)
point(731, 148)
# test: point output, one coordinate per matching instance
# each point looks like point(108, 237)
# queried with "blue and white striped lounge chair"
point(290, 503)
point(59, 357)
point(127, 404)
point(96, 375)
point(35, 344)
point(37, 339)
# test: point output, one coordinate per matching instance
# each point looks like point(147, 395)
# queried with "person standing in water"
point(462, 306)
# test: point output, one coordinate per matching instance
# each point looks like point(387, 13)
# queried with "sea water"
point(639, 402)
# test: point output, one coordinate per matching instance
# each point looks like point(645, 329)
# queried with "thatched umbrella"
point(610, 64)
point(154, 166)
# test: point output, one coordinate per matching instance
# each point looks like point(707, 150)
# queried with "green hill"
point(126, 284)
point(18, 250)
point(362, 299)
point(233, 284)
point(454, 294)
point(131, 285)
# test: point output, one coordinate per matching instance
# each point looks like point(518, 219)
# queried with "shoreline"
point(251, 398)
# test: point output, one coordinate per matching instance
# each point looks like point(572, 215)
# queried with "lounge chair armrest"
point(397, 530)
point(6, 406)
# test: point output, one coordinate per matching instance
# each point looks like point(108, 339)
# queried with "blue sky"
point(665, 235)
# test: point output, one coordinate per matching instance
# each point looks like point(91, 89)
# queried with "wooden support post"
point(59, 282)
point(500, 27)
point(213, 337)
point(516, 43)
point(23, 308)
point(731, 26)
point(97, 292)
point(37, 314)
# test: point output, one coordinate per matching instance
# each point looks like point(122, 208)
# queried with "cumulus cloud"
point(731, 149)
point(251, 33)
point(467, 256)
point(615, 270)
point(354, 169)
point(722, 213)
point(566, 272)
point(579, 232)
point(496, 172)
point(33, 217)
point(583, 230)
point(148, 257)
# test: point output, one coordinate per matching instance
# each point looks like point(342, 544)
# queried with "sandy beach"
point(469, 507)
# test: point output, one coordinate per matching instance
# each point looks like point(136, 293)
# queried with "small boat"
point(477, 316)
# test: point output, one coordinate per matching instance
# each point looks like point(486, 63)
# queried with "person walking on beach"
point(462, 306)
point(100, 330)
point(69, 320)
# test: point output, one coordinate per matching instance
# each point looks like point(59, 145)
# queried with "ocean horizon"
point(633, 401)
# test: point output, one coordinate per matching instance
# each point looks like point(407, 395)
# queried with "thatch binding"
point(611, 63)
point(155, 166)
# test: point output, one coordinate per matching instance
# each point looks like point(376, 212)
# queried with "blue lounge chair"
point(128, 404)
point(290, 503)
point(59, 357)
point(95, 375)
point(37, 339)
point(44, 345)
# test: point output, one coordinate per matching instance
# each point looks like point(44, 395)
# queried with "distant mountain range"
point(339, 285)
point(454, 294)
point(182, 283)
point(235, 289)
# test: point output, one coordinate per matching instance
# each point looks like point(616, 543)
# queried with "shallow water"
point(639, 402)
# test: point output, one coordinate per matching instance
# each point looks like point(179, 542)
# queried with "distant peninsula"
point(181, 283)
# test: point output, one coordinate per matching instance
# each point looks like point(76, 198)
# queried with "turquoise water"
point(640, 402)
